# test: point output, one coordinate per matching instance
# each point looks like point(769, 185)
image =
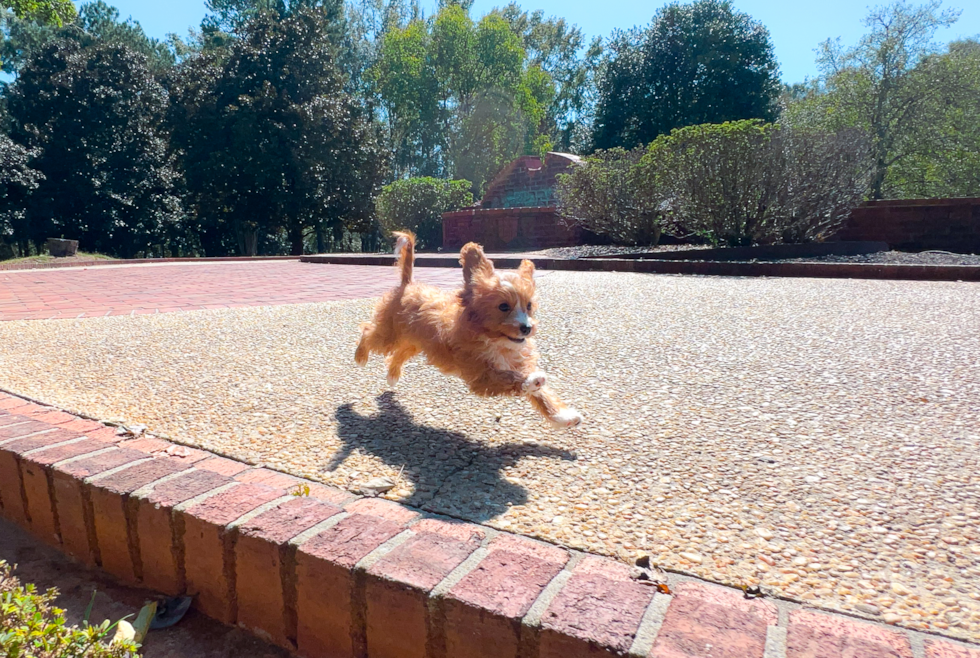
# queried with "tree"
point(703, 62)
point(17, 181)
point(270, 143)
point(93, 116)
point(890, 84)
point(604, 196)
point(559, 50)
point(460, 99)
point(49, 12)
point(417, 204)
point(944, 157)
point(96, 22)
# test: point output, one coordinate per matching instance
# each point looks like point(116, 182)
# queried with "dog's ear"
point(526, 270)
point(475, 263)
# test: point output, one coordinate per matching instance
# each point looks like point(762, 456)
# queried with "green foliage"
point(271, 145)
point(604, 195)
point(746, 182)
point(48, 12)
point(702, 62)
point(417, 204)
point(894, 86)
point(95, 23)
point(460, 98)
point(92, 118)
point(31, 627)
point(17, 181)
point(944, 157)
point(559, 51)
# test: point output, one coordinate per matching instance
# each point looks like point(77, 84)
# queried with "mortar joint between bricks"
point(93, 479)
point(87, 455)
point(28, 453)
point(25, 436)
point(147, 489)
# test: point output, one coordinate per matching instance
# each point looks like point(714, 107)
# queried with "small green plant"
point(31, 627)
point(301, 490)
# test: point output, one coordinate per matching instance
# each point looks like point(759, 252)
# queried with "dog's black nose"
point(525, 329)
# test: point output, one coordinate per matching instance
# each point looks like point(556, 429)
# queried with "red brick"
point(268, 478)
point(9, 402)
point(83, 468)
point(57, 435)
point(106, 434)
point(941, 649)
point(597, 612)
point(228, 467)
point(398, 586)
point(113, 531)
point(26, 408)
point(710, 620)
point(11, 419)
point(265, 602)
point(327, 618)
point(53, 417)
point(35, 469)
point(11, 497)
point(385, 509)
point(161, 551)
point(82, 425)
point(814, 635)
point(209, 559)
point(22, 429)
point(145, 444)
point(484, 610)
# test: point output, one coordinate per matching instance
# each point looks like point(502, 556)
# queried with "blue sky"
point(796, 27)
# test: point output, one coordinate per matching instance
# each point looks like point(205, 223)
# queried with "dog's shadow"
point(452, 473)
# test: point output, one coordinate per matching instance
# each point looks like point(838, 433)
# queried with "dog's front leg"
point(549, 405)
point(491, 381)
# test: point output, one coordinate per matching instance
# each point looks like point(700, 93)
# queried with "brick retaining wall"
point(508, 229)
point(334, 575)
point(918, 224)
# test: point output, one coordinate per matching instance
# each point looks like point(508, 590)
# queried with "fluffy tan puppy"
point(482, 333)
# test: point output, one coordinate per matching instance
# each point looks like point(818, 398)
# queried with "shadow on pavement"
point(452, 473)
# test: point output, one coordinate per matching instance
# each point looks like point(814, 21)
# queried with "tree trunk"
point(296, 240)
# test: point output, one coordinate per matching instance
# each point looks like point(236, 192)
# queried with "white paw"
point(566, 418)
point(535, 382)
point(392, 380)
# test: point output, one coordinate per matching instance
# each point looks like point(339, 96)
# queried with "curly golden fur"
point(482, 333)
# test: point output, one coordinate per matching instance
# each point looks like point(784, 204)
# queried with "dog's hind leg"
point(549, 405)
point(366, 344)
point(397, 359)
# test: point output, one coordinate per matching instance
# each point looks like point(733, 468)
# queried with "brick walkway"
point(124, 290)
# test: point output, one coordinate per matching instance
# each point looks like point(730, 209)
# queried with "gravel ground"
point(819, 437)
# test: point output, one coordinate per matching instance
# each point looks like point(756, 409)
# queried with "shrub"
point(30, 627)
point(745, 182)
point(417, 204)
point(603, 196)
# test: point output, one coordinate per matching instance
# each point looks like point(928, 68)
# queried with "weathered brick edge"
point(703, 268)
point(331, 574)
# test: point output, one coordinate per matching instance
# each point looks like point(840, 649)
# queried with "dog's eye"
point(529, 306)
point(504, 308)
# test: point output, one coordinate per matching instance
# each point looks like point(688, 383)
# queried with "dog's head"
point(501, 304)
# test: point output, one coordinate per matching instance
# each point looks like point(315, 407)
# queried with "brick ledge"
point(332, 574)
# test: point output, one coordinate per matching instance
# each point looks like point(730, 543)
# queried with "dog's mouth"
point(514, 340)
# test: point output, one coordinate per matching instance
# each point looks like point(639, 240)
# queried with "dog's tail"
point(405, 254)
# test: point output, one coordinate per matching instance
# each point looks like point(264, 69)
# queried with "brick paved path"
point(124, 290)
